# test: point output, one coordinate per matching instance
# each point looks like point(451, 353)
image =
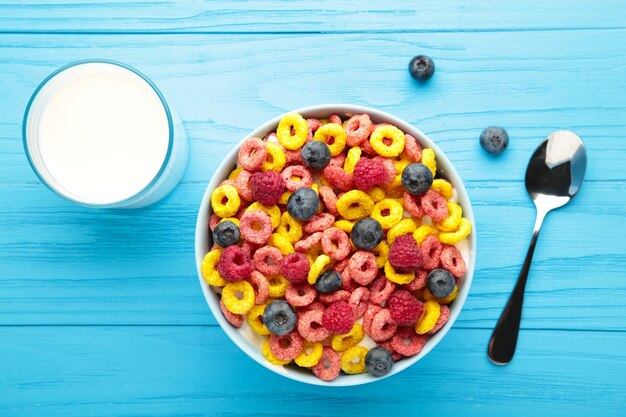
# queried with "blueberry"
point(279, 317)
point(440, 283)
point(328, 282)
point(303, 204)
point(316, 154)
point(367, 234)
point(378, 361)
point(226, 233)
point(417, 178)
point(421, 67)
point(494, 139)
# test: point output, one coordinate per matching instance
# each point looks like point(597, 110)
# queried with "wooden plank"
point(137, 267)
point(223, 87)
point(182, 371)
point(303, 16)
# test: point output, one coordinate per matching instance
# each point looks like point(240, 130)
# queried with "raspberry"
point(404, 308)
point(234, 265)
point(267, 187)
point(404, 254)
point(338, 317)
point(368, 173)
point(295, 267)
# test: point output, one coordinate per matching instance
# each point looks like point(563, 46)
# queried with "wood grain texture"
point(184, 371)
point(233, 16)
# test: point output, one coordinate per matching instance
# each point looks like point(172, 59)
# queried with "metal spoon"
point(554, 175)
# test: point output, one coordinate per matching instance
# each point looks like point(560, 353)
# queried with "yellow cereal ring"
point(341, 342)
point(400, 164)
point(289, 228)
point(315, 187)
point(382, 253)
point(393, 213)
point(429, 159)
point(317, 267)
point(394, 276)
point(310, 355)
point(376, 194)
point(446, 300)
point(355, 205)
point(442, 187)
point(277, 285)
point(225, 200)
point(354, 154)
point(324, 121)
point(345, 225)
point(395, 189)
point(450, 223)
point(282, 243)
point(334, 131)
point(300, 131)
point(234, 173)
point(275, 159)
point(284, 198)
point(234, 304)
point(405, 226)
point(267, 354)
point(255, 320)
point(272, 211)
point(209, 270)
point(230, 219)
point(423, 232)
point(390, 132)
point(353, 360)
point(450, 238)
point(429, 317)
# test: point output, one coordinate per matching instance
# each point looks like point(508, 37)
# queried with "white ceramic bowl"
point(203, 236)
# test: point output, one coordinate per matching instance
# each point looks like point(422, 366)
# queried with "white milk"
point(99, 134)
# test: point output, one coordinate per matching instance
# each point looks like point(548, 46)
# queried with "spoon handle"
point(504, 337)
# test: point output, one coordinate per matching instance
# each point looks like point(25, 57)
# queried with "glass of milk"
point(100, 134)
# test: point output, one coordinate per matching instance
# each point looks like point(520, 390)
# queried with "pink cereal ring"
point(431, 253)
point(310, 326)
point(300, 295)
point(452, 260)
point(313, 124)
point(333, 297)
point(293, 157)
point(249, 248)
point(314, 306)
point(412, 148)
point(309, 242)
point(435, 206)
point(267, 260)
point(366, 147)
point(330, 199)
point(338, 178)
point(383, 327)
point(407, 342)
point(418, 282)
point(338, 160)
point(341, 266)
point(362, 267)
point(412, 204)
point(261, 287)
point(236, 320)
point(286, 347)
point(255, 226)
point(243, 185)
point(359, 301)
point(334, 118)
point(381, 289)
point(347, 283)
point(358, 128)
point(305, 179)
point(336, 243)
point(444, 315)
point(370, 312)
point(252, 154)
point(319, 223)
point(228, 182)
point(215, 247)
point(214, 219)
point(269, 135)
point(390, 169)
point(329, 365)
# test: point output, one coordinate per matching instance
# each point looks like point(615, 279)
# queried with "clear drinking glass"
point(65, 136)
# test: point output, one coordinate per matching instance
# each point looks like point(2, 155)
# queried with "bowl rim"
point(202, 227)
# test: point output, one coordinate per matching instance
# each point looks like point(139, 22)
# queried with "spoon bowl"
point(554, 175)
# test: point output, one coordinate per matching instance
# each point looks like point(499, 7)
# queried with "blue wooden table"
point(101, 313)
